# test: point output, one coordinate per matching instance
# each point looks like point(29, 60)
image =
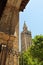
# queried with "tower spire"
point(24, 27)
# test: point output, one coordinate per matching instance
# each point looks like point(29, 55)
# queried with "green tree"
point(37, 47)
point(34, 55)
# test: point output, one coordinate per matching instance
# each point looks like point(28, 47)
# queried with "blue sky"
point(33, 16)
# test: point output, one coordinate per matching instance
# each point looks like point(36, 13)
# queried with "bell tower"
point(26, 38)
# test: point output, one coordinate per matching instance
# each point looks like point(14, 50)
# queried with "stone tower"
point(9, 24)
point(26, 39)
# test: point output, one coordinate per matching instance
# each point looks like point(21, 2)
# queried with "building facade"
point(26, 39)
point(9, 24)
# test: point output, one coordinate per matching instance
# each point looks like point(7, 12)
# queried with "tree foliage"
point(34, 55)
point(37, 48)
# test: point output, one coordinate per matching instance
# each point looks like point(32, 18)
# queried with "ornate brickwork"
point(9, 49)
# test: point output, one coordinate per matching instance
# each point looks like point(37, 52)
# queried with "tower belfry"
point(9, 23)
